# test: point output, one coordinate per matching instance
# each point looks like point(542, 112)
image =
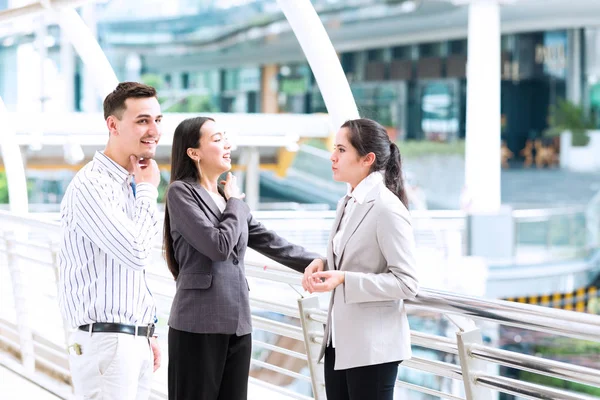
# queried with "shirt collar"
point(118, 173)
point(364, 187)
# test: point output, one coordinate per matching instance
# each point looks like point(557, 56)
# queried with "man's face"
point(139, 129)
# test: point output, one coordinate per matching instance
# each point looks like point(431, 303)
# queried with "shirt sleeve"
point(277, 248)
point(128, 240)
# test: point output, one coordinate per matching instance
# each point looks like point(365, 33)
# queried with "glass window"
point(375, 55)
point(210, 80)
point(348, 61)
point(457, 47)
point(231, 79)
point(439, 110)
point(430, 50)
point(385, 103)
point(553, 54)
point(507, 42)
point(402, 53)
point(295, 88)
point(249, 79)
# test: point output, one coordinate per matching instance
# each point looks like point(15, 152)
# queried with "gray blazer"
point(212, 290)
point(377, 254)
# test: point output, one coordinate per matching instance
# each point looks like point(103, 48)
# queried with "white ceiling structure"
point(435, 20)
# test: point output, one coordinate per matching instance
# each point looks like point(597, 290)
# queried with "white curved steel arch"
point(88, 48)
point(322, 58)
point(105, 80)
point(305, 23)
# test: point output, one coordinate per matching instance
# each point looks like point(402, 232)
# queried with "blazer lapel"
point(334, 228)
point(358, 214)
point(207, 200)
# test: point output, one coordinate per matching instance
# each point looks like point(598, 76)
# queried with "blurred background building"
point(405, 60)
point(406, 63)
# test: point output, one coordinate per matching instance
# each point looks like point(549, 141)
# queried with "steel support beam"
point(322, 58)
point(92, 55)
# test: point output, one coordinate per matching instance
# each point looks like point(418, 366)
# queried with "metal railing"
point(473, 356)
point(540, 235)
point(288, 331)
point(31, 328)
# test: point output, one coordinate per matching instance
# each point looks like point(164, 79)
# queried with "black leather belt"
point(146, 331)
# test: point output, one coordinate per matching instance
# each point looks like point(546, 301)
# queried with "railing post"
point(20, 300)
point(54, 249)
point(470, 366)
point(313, 347)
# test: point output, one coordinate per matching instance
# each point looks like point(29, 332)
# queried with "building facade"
point(406, 69)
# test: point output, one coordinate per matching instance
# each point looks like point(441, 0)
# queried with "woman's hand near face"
point(231, 189)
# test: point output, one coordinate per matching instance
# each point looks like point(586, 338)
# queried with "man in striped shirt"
point(109, 222)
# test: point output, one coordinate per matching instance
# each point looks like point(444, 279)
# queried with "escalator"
point(308, 180)
point(298, 189)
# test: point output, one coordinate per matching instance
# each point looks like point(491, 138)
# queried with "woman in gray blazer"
point(370, 268)
point(206, 231)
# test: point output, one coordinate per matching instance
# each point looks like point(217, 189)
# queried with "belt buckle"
point(150, 330)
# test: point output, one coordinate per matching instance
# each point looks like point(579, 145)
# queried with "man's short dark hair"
point(114, 103)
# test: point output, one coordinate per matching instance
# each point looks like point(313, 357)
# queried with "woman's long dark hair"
point(187, 135)
point(368, 136)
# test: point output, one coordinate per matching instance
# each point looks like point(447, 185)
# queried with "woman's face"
point(346, 164)
point(215, 150)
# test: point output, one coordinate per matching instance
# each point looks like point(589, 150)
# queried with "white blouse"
point(219, 200)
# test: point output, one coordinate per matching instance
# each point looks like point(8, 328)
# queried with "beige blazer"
point(377, 254)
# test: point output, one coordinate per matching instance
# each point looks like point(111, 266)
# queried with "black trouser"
point(371, 382)
point(206, 366)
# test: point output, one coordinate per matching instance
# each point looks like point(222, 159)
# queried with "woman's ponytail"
point(393, 174)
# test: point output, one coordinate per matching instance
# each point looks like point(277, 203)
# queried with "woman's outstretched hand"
point(316, 265)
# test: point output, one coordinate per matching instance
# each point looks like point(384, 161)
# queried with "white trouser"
point(111, 366)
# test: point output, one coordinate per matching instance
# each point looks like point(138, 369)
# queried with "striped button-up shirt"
point(107, 235)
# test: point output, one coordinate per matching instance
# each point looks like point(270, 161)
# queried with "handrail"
point(470, 353)
point(39, 237)
point(512, 359)
point(525, 362)
point(542, 319)
point(549, 320)
point(528, 390)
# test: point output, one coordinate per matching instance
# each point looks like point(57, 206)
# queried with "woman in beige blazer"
point(370, 268)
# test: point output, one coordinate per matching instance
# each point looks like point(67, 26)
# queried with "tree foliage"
point(3, 188)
